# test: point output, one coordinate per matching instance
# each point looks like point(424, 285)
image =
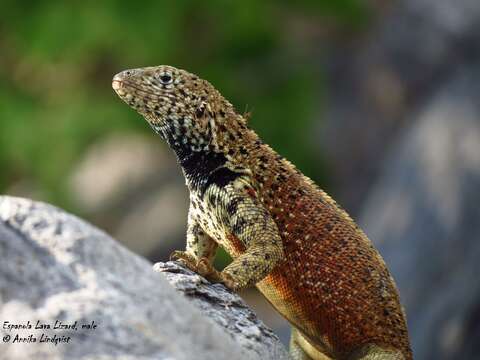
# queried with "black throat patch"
point(202, 167)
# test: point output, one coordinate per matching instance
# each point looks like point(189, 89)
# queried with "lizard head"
point(177, 104)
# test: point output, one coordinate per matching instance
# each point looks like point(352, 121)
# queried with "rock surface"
point(55, 266)
point(222, 306)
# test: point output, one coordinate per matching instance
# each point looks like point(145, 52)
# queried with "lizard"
point(285, 235)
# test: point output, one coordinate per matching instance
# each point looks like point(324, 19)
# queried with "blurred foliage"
point(57, 59)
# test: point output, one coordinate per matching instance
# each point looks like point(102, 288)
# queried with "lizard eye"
point(165, 79)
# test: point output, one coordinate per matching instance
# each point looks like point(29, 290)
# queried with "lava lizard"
point(285, 235)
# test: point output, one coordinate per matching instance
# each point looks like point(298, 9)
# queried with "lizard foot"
point(204, 268)
point(186, 259)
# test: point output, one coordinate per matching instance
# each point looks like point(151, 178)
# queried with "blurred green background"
point(62, 125)
point(57, 60)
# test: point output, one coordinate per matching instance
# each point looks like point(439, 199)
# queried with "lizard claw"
point(228, 281)
point(206, 269)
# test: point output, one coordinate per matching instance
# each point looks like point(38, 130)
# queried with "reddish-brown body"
point(332, 285)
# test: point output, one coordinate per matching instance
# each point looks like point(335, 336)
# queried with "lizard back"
point(333, 285)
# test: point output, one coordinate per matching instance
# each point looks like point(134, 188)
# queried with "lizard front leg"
point(200, 249)
point(252, 235)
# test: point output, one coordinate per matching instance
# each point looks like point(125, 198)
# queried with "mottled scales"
point(285, 235)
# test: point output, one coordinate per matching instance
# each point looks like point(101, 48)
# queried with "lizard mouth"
point(117, 85)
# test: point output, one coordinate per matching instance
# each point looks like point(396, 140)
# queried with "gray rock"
point(55, 266)
point(225, 308)
point(424, 217)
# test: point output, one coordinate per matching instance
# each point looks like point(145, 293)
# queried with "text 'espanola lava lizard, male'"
point(285, 235)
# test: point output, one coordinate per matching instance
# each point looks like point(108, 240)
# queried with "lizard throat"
point(201, 165)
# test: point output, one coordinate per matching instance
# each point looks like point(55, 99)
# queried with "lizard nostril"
point(128, 73)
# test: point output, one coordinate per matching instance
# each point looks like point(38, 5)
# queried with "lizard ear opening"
point(203, 110)
point(200, 112)
point(205, 121)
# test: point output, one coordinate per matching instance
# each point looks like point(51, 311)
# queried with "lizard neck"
point(201, 164)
